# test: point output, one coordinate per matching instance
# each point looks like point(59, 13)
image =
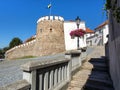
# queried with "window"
point(50, 29)
point(41, 30)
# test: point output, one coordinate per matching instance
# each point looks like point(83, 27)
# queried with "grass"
point(26, 57)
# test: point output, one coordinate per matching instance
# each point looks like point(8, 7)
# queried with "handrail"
point(42, 64)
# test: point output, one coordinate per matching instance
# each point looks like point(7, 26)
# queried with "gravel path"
point(10, 69)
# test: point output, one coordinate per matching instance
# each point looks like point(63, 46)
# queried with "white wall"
point(100, 36)
point(89, 35)
point(95, 39)
point(90, 41)
point(71, 44)
point(105, 33)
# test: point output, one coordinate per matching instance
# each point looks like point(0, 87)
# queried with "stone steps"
point(101, 60)
point(99, 78)
point(93, 86)
point(96, 66)
point(95, 78)
point(100, 81)
point(93, 75)
point(100, 69)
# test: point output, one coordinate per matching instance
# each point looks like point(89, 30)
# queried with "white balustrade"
point(52, 74)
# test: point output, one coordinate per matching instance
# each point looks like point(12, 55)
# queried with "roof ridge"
point(103, 24)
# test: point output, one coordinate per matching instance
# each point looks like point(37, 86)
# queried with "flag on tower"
point(49, 5)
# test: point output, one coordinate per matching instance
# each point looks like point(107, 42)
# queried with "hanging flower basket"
point(77, 33)
point(72, 37)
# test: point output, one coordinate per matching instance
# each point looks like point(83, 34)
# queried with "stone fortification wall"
point(114, 46)
point(50, 36)
point(23, 50)
point(49, 39)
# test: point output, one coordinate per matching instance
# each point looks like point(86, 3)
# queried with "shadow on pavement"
point(99, 79)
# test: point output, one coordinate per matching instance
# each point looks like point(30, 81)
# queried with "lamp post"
point(77, 20)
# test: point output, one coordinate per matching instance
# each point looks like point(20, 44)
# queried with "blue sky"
point(18, 17)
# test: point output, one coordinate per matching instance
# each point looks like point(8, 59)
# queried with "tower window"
point(41, 30)
point(50, 29)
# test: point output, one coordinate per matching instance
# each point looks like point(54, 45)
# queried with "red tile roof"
point(102, 25)
point(30, 39)
point(89, 31)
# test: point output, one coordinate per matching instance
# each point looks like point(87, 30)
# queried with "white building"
point(52, 37)
point(71, 44)
point(100, 36)
point(102, 31)
point(89, 33)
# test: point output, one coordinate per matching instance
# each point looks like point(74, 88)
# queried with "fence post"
point(31, 78)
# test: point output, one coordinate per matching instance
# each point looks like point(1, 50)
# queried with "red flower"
point(77, 33)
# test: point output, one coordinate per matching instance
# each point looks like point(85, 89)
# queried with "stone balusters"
point(47, 75)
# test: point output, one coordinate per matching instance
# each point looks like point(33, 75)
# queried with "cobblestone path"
point(10, 70)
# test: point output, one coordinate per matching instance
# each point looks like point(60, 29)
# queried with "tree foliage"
point(2, 52)
point(14, 42)
point(113, 6)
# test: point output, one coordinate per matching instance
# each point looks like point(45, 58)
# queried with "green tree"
point(4, 50)
point(1, 53)
point(14, 42)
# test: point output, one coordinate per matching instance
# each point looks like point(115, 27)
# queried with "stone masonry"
point(49, 39)
point(21, 50)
